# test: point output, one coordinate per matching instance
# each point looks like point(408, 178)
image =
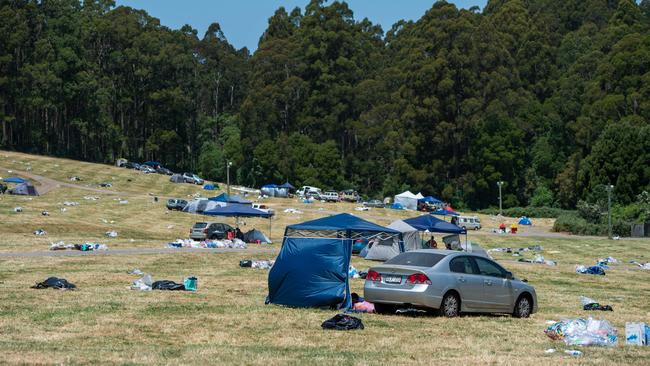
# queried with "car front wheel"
point(522, 307)
point(450, 306)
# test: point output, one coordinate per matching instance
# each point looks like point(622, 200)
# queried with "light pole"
point(609, 189)
point(228, 165)
point(500, 183)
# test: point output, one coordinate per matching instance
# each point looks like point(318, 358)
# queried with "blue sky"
point(244, 21)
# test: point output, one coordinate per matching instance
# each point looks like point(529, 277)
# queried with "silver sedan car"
point(450, 282)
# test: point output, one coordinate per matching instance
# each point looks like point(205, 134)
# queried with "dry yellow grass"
point(226, 321)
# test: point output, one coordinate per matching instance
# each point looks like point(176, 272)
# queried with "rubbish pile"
point(54, 282)
point(641, 265)
point(593, 270)
point(85, 247)
point(539, 259)
point(292, 210)
point(517, 252)
point(342, 322)
point(111, 234)
point(105, 185)
point(591, 304)
point(583, 332)
point(145, 283)
point(91, 198)
point(40, 232)
point(261, 264)
point(208, 244)
point(352, 272)
point(362, 208)
point(70, 203)
point(45, 213)
point(75, 179)
point(18, 209)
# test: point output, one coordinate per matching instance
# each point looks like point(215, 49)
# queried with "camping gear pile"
point(593, 270)
point(263, 264)
point(583, 332)
point(208, 244)
point(145, 283)
point(54, 282)
point(85, 247)
point(591, 304)
point(40, 232)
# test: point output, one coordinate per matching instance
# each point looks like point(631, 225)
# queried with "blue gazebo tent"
point(229, 199)
point(312, 267)
point(287, 186)
point(237, 210)
point(434, 225)
point(16, 180)
point(431, 200)
point(445, 212)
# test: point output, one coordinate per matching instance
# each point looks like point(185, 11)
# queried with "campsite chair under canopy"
point(312, 267)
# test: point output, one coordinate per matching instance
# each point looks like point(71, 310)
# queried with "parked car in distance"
point(469, 222)
point(308, 191)
point(176, 204)
point(131, 165)
point(262, 207)
point(192, 178)
point(374, 203)
point(330, 196)
point(165, 171)
point(146, 169)
point(210, 230)
point(450, 282)
point(350, 195)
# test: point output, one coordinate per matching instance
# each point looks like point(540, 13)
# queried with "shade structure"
point(229, 199)
point(287, 185)
point(339, 222)
point(430, 199)
point(445, 212)
point(152, 164)
point(434, 225)
point(237, 210)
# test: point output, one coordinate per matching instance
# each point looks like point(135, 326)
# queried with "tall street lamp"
point(228, 165)
point(609, 189)
point(500, 183)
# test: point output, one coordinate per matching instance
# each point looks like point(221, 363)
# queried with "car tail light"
point(418, 278)
point(205, 231)
point(373, 276)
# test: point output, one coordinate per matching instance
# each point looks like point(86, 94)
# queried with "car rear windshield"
point(416, 259)
point(200, 225)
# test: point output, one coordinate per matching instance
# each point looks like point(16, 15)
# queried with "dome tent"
point(525, 221)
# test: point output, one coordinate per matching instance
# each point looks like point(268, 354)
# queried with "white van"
point(308, 191)
point(469, 222)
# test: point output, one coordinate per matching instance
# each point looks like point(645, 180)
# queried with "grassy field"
point(226, 321)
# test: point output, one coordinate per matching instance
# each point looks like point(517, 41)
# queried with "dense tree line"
point(551, 97)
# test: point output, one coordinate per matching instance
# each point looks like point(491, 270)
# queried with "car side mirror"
point(509, 275)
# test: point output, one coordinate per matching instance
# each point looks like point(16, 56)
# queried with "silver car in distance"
point(450, 282)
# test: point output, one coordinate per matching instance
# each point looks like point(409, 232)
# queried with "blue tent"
point(434, 225)
point(287, 185)
point(313, 271)
point(229, 199)
point(16, 180)
point(209, 187)
point(237, 210)
point(430, 200)
point(397, 206)
point(525, 221)
point(444, 212)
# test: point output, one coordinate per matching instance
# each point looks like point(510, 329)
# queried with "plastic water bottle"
point(573, 352)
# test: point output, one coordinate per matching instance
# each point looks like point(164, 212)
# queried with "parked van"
point(330, 196)
point(469, 222)
point(308, 191)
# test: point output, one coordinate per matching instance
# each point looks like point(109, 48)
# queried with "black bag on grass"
point(167, 285)
point(54, 282)
point(342, 322)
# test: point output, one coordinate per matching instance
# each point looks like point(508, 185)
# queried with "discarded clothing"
point(583, 332)
point(54, 282)
point(364, 307)
point(40, 232)
point(594, 270)
point(343, 322)
point(262, 264)
point(167, 285)
point(70, 203)
point(597, 306)
point(135, 271)
point(142, 284)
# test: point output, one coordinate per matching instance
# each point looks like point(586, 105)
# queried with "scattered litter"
point(70, 203)
point(208, 244)
point(616, 237)
point(54, 282)
point(136, 272)
point(143, 284)
point(410, 311)
point(170, 226)
point(106, 185)
point(167, 285)
point(594, 270)
point(535, 248)
point(292, 210)
point(40, 232)
point(124, 202)
point(18, 209)
point(538, 259)
point(362, 208)
point(45, 213)
point(583, 332)
point(262, 264)
point(91, 198)
point(86, 247)
point(352, 272)
point(573, 352)
point(642, 265)
point(63, 209)
point(591, 304)
point(190, 283)
point(111, 234)
point(637, 334)
point(343, 322)
point(75, 179)
point(550, 350)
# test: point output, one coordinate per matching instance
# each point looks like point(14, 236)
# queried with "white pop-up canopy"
point(408, 200)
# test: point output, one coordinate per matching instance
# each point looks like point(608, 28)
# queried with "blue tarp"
point(229, 199)
point(311, 272)
point(397, 206)
point(16, 180)
point(287, 185)
point(434, 225)
point(444, 212)
point(525, 221)
point(270, 186)
point(342, 221)
point(209, 187)
point(430, 199)
point(236, 210)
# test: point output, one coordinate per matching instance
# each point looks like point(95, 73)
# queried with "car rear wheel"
point(385, 308)
point(522, 307)
point(450, 306)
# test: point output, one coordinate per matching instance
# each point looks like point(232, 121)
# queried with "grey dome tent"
point(410, 235)
point(177, 178)
point(254, 236)
point(24, 189)
point(201, 205)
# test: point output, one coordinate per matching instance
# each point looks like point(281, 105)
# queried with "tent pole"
point(270, 227)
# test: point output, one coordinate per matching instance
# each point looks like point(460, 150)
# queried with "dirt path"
point(76, 253)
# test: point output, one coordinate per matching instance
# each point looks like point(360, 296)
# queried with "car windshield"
point(416, 259)
point(200, 225)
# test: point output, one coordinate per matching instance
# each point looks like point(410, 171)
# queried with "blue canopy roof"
point(152, 163)
point(287, 185)
point(270, 186)
point(229, 199)
point(434, 224)
point(444, 212)
point(16, 180)
point(430, 199)
point(342, 221)
point(237, 211)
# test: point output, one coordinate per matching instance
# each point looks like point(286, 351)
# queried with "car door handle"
point(488, 282)
point(462, 279)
